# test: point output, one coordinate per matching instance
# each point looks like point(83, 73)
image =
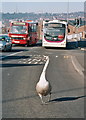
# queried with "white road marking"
point(7, 62)
point(36, 63)
point(38, 60)
point(45, 60)
point(24, 59)
point(48, 53)
point(8, 74)
point(83, 49)
point(56, 56)
point(19, 61)
point(34, 60)
point(41, 63)
point(30, 55)
point(77, 66)
point(29, 59)
point(24, 62)
point(29, 62)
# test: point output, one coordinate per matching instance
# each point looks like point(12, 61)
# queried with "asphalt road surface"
point(21, 70)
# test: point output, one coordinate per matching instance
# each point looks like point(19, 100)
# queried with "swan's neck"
point(42, 78)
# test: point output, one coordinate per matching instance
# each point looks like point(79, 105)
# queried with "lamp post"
point(67, 11)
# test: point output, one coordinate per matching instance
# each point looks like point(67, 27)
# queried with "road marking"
point(45, 60)
point(29, 62)
point(41, 63)
point(19, 62)
point(77, 66)
point(24, 62)
point(35, 62)
point(56, 56)
point(7, 62)
point(66, 57)
point(29, 59)
point(8, 74)
point(30, 55)
point(83, 49)
point(38, 60)
point(48, 53)
point(24, 59)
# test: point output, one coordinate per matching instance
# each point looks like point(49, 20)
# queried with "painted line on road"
point(83, 49)
point(77, 66)
point(36, 63)
point(29, 62)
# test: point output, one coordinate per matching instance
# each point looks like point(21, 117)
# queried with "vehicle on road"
point(5, 43)
point(24, 33)
point(54, 33)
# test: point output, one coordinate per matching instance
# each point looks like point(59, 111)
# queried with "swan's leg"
point(41, 97)
point(49, 97)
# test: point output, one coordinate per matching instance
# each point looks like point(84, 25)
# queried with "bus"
point(54, 33)
point(24, 33)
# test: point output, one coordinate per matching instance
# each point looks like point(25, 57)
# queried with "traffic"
point(23, 33)
point(54, 33)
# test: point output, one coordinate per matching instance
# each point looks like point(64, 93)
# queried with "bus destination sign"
point(18, 23)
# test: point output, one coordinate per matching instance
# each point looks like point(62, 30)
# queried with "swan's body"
point(43, 87)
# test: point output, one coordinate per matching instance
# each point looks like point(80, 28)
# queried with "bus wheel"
point(27, 44)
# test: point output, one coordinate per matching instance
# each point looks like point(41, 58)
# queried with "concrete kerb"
point(77, 66)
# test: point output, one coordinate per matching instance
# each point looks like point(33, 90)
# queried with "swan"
point(43, 87)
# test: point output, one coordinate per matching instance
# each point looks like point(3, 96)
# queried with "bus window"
point(34, 28)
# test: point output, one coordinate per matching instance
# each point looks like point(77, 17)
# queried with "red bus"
point(23, 32)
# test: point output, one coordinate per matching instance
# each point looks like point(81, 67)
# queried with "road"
point(21, 70)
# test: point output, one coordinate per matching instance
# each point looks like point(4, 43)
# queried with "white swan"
point(43, 87)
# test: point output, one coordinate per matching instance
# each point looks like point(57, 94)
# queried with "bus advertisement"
point(54, 33)
point(23, 32)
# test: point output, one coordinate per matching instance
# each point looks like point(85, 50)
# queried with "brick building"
point(72, 29)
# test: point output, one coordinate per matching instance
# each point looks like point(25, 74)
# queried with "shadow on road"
point(16, 99)
point(66, 99)
point(18, 65)
point(54, 100)
point(15, 57)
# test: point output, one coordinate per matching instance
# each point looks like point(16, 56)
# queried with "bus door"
point(34, 33)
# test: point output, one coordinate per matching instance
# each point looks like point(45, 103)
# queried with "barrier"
point(75, 36)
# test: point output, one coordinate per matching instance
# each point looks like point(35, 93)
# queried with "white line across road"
point(11, 55)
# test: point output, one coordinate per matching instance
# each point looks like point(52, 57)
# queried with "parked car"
point(5, 42)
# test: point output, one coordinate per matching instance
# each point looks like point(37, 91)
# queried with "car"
point(5, 43)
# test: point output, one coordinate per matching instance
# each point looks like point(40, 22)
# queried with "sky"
point(41, 7)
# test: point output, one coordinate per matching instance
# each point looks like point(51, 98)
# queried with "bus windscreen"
point(18, 30)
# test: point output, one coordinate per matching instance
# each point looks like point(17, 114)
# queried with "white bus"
point(54, 33)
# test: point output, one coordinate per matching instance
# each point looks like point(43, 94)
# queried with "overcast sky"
point(41, 7)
